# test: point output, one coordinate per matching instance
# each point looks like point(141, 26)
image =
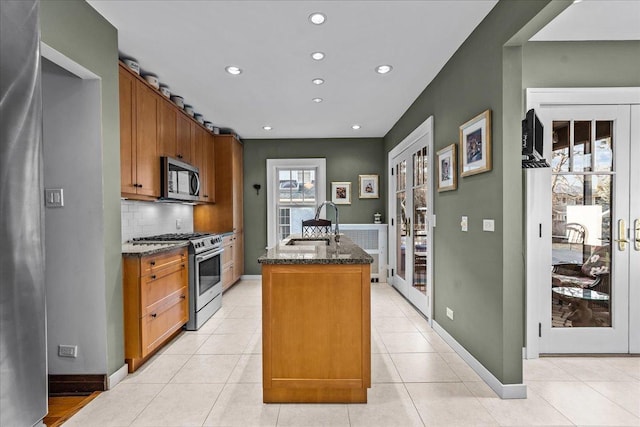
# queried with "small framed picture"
point(475, 145)
point(341, 192)
point(447, 172)
point(369, 187)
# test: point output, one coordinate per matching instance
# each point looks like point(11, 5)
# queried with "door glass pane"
point(603, 147)
point(420, 231)
point(401, 219)
point(560, 147)
point(581, 232)
point(582, 147)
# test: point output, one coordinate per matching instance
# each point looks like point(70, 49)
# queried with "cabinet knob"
point(179, 156)
point(152, 263)
point(206, 196)
point(153, 277)
point(183, 296)
point(182, 265)
point(154, 315)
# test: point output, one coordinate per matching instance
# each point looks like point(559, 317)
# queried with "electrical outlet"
point(178, 223)
point(464, 223)
point(68, 350)
point(449, 313)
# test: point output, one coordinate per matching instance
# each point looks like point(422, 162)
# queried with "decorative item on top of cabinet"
point(139, 160)
point(156, 302)
point(226, 215)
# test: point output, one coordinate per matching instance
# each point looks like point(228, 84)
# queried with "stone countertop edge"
point(346, 252)
point(144, 249)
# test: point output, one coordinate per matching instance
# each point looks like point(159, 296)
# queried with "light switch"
point(464, 223)
point(488, 225)
point(53, 197)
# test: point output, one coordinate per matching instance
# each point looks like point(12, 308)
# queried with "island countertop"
point(343, 252)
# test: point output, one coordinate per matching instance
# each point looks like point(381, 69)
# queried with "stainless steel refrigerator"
point(23, 358)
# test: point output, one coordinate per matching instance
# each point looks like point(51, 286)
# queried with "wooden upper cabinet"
point(147, 159)
point(210, 166)
point(184, 142)
point(127, 132)
point(139, 161)
point(167, 132)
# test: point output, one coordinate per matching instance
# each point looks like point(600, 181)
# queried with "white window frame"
point(320, 164)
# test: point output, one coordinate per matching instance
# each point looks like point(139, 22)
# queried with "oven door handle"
point(200, 258)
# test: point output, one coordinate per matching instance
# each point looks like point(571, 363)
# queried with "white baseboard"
point(505, 391)
point(117, 376)
point(251, 277)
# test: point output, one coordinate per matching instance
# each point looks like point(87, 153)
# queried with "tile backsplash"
point(141, 219)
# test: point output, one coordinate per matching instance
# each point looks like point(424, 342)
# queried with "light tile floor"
point(212, 377)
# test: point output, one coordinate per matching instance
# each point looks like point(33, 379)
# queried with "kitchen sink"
point(308, 242)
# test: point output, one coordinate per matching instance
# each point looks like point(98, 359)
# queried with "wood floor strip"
point(61, 408)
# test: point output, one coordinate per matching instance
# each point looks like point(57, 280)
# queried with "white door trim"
point(424, 129)
point(535, 97)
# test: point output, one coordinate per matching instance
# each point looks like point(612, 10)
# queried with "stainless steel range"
point(205, 267)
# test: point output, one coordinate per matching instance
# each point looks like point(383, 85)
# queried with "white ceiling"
point(188, 44)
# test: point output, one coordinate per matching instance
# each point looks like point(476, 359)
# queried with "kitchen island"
point(316, 321)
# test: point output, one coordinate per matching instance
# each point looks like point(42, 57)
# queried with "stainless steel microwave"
point(180, 180)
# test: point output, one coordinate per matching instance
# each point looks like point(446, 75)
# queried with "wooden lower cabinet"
point(232, 259)
point(316, 333)
point(156, 302)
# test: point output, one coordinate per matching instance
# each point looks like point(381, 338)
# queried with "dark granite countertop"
point(146, 248)
point(344, 252)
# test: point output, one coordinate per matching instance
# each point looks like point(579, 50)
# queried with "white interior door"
point(588, 275)
point(411, 202)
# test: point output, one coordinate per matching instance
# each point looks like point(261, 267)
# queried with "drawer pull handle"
point(154, 315)
point(183, 296)
point(152, 263)
point(153, 277)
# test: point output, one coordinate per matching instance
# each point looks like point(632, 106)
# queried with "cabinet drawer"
point(162, 260)
point(164, 321)
point(156, 288)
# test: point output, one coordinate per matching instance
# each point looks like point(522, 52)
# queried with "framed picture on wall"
point(341, 192)
point(447, 168)
point(368, 187)
point(475, 145)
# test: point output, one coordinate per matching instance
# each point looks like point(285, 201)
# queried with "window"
point(295, 188)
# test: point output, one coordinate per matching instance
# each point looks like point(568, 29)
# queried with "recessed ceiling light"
point(317, 100)
point(317, 18)
point(317, 56)
point(232, 69)
point(355, 127)
point(383, 69)
point(267, 127)
point(317, 81)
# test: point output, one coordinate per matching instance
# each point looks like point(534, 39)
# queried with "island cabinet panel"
point(156, 302)
point(316, 333)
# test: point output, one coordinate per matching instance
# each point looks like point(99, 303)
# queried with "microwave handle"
point(197, 178)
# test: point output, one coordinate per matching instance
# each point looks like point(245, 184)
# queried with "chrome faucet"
point(337, 232)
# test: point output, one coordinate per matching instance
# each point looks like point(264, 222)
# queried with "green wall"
point(480, 274)
point(75, 29)
point(346, 159)
point(581, 64)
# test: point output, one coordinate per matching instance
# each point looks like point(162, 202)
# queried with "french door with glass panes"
point(593, 246)
point(411, 225)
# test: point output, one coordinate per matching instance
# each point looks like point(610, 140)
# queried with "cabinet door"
point(184, 138)
point(210, 166)
point(201, 139)
point(127, 132)
point(238, 256)
point(237, 186)
point(147, 159)
point(167, 137)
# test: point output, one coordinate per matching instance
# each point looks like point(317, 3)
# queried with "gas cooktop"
point(200, 242)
